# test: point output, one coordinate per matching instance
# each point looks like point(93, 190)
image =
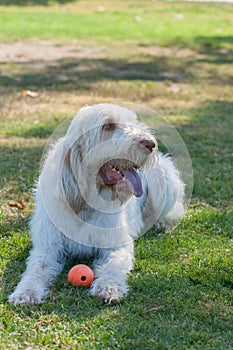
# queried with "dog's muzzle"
point(123, 174)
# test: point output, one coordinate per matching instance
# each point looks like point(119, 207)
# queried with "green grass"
point(160, 24)
point(181, 286)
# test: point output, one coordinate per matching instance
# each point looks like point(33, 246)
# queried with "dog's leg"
point(111, 271)
point(46, 260)
point(33, 287)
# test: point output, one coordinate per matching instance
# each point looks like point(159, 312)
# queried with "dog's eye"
point(109, 127)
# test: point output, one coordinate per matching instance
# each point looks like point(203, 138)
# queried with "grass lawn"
point(175, 57)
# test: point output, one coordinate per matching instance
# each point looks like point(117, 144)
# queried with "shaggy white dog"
point(101, 186)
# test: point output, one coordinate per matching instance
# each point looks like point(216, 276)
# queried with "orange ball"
point(81, 275)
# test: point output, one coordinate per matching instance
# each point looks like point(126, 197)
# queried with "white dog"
point(101, 186)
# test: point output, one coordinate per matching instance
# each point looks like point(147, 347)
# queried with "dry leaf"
point(17, 204)
point(30, 93)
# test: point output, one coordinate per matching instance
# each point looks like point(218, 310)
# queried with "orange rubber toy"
point(81, 276)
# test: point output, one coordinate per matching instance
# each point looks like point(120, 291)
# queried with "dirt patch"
point(26, 52)
point(39, 50)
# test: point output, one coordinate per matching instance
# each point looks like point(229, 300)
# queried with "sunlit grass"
point(153, 22)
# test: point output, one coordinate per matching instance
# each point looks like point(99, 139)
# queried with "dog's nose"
point(147, 144)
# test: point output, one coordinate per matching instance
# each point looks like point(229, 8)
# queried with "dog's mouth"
point(125, 178)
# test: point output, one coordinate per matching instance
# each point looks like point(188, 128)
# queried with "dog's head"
point(106, 148)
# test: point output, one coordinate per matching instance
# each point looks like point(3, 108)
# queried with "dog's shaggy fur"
point(101, 186)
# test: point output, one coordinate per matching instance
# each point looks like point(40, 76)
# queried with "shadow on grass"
point(70, 73)
point(74, 73)
point(18, 168)
point(208, 138)
point(212, 45)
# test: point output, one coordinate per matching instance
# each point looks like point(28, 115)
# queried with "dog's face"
point(133, 146)
point(108, 148)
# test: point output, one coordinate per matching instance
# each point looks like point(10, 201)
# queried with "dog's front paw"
point(28, 296)
point(111, 292)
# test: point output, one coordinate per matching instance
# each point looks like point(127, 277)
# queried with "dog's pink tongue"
point(130, 182)
point(133, 177)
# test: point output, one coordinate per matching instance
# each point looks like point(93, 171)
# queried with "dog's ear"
point(72, 157)
point(67, 160)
